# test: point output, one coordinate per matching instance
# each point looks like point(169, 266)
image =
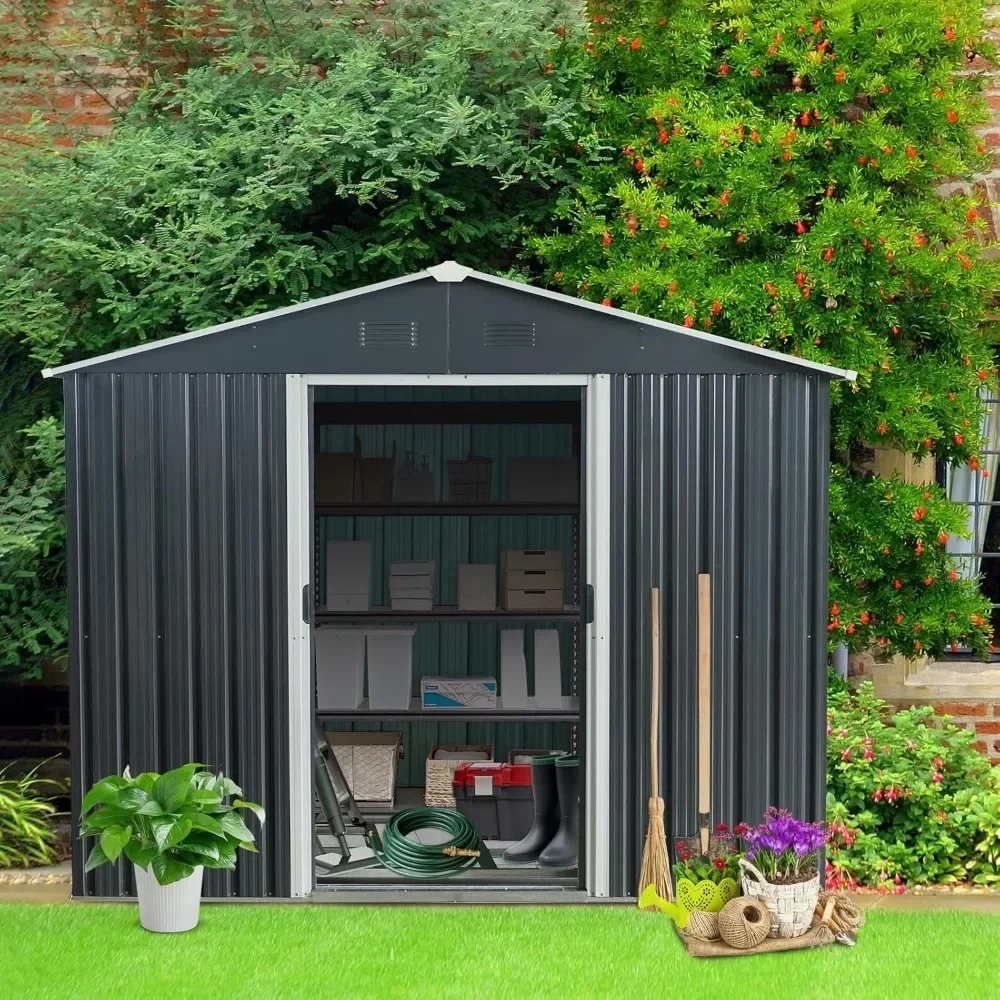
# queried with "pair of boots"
point(552, 839)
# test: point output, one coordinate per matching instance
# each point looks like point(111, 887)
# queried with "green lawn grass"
point(332, 952)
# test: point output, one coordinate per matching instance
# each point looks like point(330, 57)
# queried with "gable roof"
point(252, 344)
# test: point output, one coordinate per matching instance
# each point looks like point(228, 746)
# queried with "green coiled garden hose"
point(429, 861)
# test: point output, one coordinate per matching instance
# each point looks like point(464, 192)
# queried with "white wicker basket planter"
point(791, 906)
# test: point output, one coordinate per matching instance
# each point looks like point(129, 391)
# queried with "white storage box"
point(458, 692)
point(390, 668)
point(548, 669)
point(369, 762)
point(347, 602)
point(411, 586)
point(543, 480)
point(530, 559)
point(477, 587)
point(412, 604)
point(340, 668)
point(513, 670)
point(348, 575)
point(412, 568)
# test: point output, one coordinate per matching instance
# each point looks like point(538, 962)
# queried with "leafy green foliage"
point(26, 835)
point(171, 822)
point(771, 173)
point(278, 153)
point(893, 585)
point(909, 799)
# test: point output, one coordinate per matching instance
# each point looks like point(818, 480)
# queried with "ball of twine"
point(702, 925)
point(744, 922)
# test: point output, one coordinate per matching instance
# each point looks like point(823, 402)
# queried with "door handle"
point(307, 604)
point(588, 604)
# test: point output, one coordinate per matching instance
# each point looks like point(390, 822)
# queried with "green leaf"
point(252, 806)
point(150, 808)
point(95, 858)
point(203, 844)
point(146, 781)
point(104, 817)
point(180, 829)
point(105, 790)
point(203, 797)
point(236, 828)
point(228, 787)
point(171, 788)
point(140, 854)
point(131, 799)
point(113, 839)
point(161, 826)
point(202, 822)
point(168, 869)
point(227, 856)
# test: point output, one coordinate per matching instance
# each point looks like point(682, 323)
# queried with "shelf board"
point(568, 713)
point(446, 509)
point(443, 613)
point(444, 412)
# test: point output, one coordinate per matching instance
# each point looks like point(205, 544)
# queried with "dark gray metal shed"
point(187, 460)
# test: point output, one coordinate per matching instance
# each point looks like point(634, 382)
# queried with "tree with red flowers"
point(773, 177)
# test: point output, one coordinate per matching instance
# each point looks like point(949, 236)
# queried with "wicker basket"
point(440, 773)
point(792, 906)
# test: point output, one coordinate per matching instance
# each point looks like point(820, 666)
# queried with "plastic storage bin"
point(497, 798)
point(390, 668)
point(340, 668)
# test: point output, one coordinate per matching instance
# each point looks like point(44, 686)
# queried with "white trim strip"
point(450, 271)
point(598, 727)
point(445, 380)
point(235, 324)
point(300, 704)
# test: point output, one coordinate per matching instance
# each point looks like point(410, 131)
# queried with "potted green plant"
point(171, 826)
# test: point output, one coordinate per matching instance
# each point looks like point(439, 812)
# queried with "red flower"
point(869, 754)
point(724, 198)
point(877, 796)
point(928, 581)
point(722, 828)
point(892, 794)
point(605, 302)
point(937, 778)
point(971, 215)
point(754, 135)
point(911, 152)
point(949, 34)
point(724, 70)
point(952, 116)
point(840, 77)
point(959, 439)
point(640, 164)
point(634, 288)
point(845, 754)
point(897, 583)
point(716, 307)
point(636, 44)
point(689, 321)
point(663, 222)
point(920, 548)
point(974, 463)
point(952, 575)
point(828, 254)
point(663, 136)
point(740, 829)
point(943, 538)
point(719, 863)
point(801, 227)
point(606, 239)
point(741, 238)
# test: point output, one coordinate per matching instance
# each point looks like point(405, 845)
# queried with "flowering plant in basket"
point(785, 850)
point(707, 882)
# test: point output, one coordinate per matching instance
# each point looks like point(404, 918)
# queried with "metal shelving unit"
point(570, 712)
point(385, 616)
point(446, 509)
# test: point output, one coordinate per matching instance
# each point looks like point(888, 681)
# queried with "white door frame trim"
point(300, 574)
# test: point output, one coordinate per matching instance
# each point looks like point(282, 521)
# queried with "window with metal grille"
point(979, 555)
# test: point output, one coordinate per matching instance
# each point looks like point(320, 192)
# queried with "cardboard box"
point(530, 559)
point(333, 477)
point(533, 600)
point(458, 692)
point(477, 587)
point(373, 480)
point(412, 568)
point(348, 602)
point(533, 579)
point(543, 480)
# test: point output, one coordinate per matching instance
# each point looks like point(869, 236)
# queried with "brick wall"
point(979, 717)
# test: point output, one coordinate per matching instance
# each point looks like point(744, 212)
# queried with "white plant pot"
point(168, 909)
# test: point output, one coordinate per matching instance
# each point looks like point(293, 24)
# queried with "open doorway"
point(449, 616)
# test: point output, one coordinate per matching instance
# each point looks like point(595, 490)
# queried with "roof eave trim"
point(179, 338)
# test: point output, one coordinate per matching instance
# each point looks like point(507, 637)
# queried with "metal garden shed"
point(192, 537)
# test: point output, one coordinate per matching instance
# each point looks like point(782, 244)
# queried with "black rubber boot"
point(546, 823)
point(561, 851)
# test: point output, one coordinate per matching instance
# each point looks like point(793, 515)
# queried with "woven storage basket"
point(438, 792)
point(791, 906)
point(369, 762)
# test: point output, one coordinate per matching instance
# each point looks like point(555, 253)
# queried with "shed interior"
point(429, 480)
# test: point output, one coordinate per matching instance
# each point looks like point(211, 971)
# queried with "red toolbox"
point(496, 797)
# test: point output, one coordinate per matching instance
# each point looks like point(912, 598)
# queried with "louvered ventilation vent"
point(387, 334)
point(509, 335)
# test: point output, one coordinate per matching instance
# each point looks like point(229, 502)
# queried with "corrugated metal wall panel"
point(177, 594)
point(727, 475)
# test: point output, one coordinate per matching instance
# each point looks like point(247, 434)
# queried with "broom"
point(655, 869)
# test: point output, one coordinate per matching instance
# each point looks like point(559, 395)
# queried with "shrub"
point(26, 835)
point(893, 586)
point(909, 800)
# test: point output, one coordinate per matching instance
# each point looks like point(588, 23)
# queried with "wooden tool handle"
point(654, 712)
point(704, 707)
